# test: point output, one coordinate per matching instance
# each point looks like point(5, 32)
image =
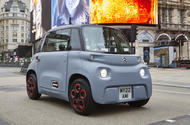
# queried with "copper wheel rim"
point(78, 96)
point(30, 86)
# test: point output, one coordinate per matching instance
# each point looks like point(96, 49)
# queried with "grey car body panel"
point(120, 74)
point(60, 66)
point(52, 67)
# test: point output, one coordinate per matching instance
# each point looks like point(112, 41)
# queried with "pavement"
point(171, 77)
point(169, 105)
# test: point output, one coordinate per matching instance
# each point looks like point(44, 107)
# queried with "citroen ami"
point(87, 65)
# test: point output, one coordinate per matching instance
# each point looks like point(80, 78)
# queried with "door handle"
point(37, 59)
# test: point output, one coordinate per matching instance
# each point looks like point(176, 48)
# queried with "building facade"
point(173, 33)
point(14, 28)
point(164, 43)
point(175, 26)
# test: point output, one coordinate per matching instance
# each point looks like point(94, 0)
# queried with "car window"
point(38, 45)
point(75, 39)
point(56, 40)
point(106, 40)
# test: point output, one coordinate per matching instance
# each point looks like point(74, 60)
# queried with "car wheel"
point(80, 97)
point(32, 87)
point(139, 103)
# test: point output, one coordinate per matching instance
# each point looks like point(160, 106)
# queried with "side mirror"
point(62, 47)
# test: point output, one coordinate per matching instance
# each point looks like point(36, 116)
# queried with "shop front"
point(165, 56)
point(172, 51)
point(145, 46)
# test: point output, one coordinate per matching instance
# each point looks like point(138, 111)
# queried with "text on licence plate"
point(125, 93)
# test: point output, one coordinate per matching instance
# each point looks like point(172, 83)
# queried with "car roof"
point(77, 26)
point(70, 26)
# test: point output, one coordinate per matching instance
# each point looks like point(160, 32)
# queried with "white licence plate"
point(125, 93)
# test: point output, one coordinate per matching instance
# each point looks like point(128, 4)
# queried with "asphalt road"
point(168, 105)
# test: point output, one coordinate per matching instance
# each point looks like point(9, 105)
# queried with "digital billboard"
point(103, 12)
point(62, 10)
point(123, 11)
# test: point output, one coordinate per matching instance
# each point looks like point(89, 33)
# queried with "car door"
point(52, 62)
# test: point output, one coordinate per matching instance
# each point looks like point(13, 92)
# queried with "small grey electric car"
point(88, 64)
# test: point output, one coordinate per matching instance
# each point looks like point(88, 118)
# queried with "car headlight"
point(103, 73)
point(142, 72)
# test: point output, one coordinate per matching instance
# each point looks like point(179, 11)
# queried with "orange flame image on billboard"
point(123, 11)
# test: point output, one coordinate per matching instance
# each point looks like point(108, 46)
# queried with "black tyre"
point(32, 87)
point(139, 103)
point(80, 97)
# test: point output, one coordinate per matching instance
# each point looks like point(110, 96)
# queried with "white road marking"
point(173, 92)
point(171, 85)
point(170, 121)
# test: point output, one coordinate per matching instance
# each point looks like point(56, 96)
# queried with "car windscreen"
point(105, 39)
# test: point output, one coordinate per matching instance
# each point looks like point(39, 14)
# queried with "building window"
point(22, 28)
point(14, 34)
point(22, 35)
point(7, 35)
point(14, 14)
point(182, 16)
point(164, 15)
point(22, 10)
point(14, 40)
point(7, 40)
point(7, 27)
point(7, 22)
point(145, 40)
point(22, 40)
point(170, 15)
point(15, 28)
point(14, 21)
point(14, 8)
